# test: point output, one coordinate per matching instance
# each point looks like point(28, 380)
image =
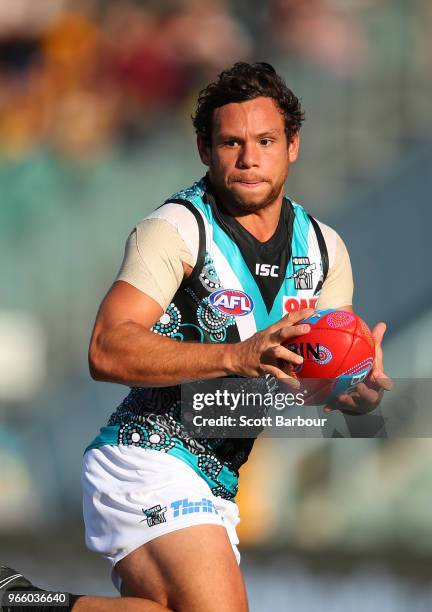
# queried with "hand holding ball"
point(338, 353)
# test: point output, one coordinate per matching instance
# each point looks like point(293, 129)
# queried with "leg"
point(190, 570)
point(11, 580)
point(117, 604)
point(182, 538)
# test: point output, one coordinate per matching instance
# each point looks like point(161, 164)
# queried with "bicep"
point(124, 312)
point(125, 303)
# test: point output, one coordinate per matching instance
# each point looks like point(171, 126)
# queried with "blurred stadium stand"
point(94, 134)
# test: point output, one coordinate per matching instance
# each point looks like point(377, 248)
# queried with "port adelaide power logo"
point(302, 272)
point(154, 515)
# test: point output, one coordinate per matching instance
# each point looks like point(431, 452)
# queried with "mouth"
point(249, 183)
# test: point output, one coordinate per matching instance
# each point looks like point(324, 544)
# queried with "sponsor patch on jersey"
point(292, 304)
point(232, 302)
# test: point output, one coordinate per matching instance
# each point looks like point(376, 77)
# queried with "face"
point(249, 156)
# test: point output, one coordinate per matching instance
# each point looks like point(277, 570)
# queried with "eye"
point(266, 142)
point(232, 142)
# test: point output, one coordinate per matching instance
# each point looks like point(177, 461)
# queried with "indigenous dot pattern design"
point(145, 436)
point(325, 355)
point(169, 323)
point(221, 491)
point(208, 276)
point(366, 333)
point(212, 320)
point(359, 367)
point(197, 189)
point(165, 432)
point(210, 465)
point(339, 319)
point(154, 423)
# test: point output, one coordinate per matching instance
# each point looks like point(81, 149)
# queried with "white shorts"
point(132, 495)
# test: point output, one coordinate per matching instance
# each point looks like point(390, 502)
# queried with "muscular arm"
point(124, 350)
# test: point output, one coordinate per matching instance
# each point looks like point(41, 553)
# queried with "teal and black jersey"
point(238, 286)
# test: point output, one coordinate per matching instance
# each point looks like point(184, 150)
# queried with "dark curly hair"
point(245, 82)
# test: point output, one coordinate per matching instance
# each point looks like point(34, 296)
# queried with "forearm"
point(132, 355)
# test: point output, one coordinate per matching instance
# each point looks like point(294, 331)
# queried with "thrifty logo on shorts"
point(184, 506)
point(154, 515)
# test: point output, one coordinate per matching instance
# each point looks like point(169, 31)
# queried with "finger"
point(291, 319)
point(378, 333)
point(356, 411)
point(380, 380)
point(385, 382)
point(281, 375)
point(353, 395)
point(290, 382)
point(342, 400)
point(367, 394)
point(281, 352)
point(284, 333)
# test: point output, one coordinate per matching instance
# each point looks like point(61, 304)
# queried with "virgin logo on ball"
point(318, 353)
point(324, 355)
point(232, 302)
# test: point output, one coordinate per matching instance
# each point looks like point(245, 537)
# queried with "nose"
point(248, 156)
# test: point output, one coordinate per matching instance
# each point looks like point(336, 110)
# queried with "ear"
point(204, 151)
point(293, 147)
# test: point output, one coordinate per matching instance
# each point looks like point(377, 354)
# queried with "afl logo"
point(232, 302)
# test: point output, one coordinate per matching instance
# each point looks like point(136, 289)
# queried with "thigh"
point(193, 569)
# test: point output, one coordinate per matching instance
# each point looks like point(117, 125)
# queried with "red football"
point(338, 353)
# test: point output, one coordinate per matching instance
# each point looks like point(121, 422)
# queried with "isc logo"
point(232, 302)
point(266, 270)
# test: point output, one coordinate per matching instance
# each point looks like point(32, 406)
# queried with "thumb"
point(378, 333)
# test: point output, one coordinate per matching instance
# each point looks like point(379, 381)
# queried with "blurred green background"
point(95, 132)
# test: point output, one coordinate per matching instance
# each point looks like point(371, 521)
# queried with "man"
point(158, 503)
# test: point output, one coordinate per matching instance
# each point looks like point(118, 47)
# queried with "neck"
point(262, 223)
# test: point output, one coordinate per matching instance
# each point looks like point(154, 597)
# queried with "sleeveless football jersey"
point(238, 286)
